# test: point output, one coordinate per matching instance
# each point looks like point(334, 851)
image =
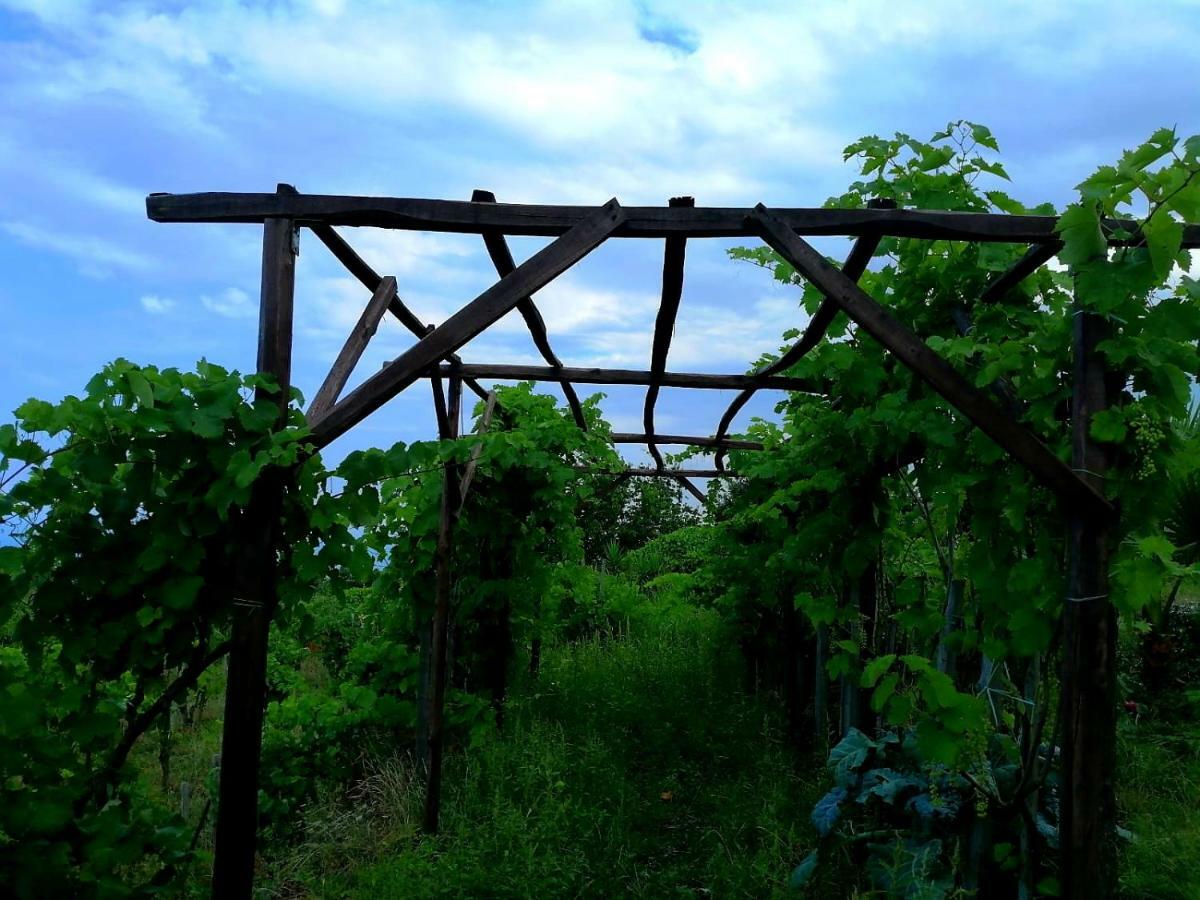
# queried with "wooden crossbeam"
point(1018, 441)
point(641, 472)
point(352, 351)
point(699, 380)
point(855, 265)
point(533, 274)
point(664, 323)
point(640, 221)
point(622, 437)
point(502, 259)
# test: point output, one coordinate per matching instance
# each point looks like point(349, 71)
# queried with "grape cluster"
point(1148, 435)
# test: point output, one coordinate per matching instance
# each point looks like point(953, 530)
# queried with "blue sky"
point(102, 103)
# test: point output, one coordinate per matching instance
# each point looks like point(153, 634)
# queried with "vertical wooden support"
point(821, 686)
point(1088, 867)
point(441, 619)
point(246, 682)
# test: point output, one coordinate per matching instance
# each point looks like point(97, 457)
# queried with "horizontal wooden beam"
point(485, 310)
point(1019, 442)
point(661, 473)
point(629, 376)
point(621, 437)
point(640, 221)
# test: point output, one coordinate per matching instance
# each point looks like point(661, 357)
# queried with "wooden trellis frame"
point(1088, 704)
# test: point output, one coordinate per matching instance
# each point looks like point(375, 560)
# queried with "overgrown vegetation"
point(840, 677)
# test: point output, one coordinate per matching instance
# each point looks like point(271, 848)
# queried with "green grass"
point(1158, 794)
point(631, 767)
point(635, 766)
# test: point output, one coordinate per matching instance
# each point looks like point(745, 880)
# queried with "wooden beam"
point(855, 265)
point(691, 488)
point(502, 259)
point(352, 351)
point(473, 463)
point(664, 323)
point(1035, 257)
point(533, 274)
point(1020, 443)
point(370, 279)
point(640, 221)
point(622, 437)
point(641, 472)
point(254, 604)
point(439, 405)
point(1088, 695)
point(698, 380)
point(443, 559)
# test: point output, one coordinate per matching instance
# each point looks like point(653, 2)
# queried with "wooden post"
point(1088, 698)
point(821, 686)
point(441, 619)
point(246, 681)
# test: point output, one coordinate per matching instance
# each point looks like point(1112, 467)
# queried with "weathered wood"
point(246, 679)
point(439, 405)
point(443, 556)
point(621, 437)
point(1020, 443)
point(691, 488)
point(502, 259)
point(1089, 663)
point(473, 463)
point(369, 278)
point(640, 221)
point(638, 472)
point(703, 381)
point(664, 323)
point(1035, 257)
point(533, 274)
point(855, 265)
point(352, 351)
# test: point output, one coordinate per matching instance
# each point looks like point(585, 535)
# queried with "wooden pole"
point(441, 619)
point(664, 324)
point(1088, 697)
point(502, 259)
point(246, 682)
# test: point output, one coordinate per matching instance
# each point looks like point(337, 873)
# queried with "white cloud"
point(95, 256)
point(156, 305)
point(233, 303)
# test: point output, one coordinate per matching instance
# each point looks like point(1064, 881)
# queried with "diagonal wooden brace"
point(854, 267)
point(468, 475)
point(1018, 441)
point(352, 351)
point(532, 275)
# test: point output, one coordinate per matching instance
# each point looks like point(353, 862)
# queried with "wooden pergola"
point(1088, 676)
